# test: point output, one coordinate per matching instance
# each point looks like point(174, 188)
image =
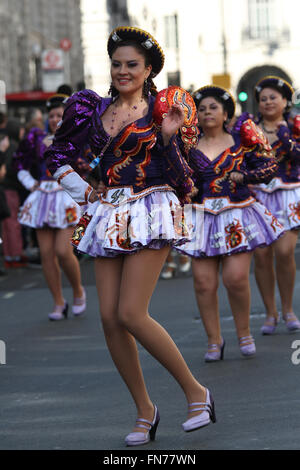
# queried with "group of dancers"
point(239, 180)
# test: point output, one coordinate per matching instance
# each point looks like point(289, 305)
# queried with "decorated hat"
point(275, 82)
point(59, 99)
point(219, 92)
point(128, 33)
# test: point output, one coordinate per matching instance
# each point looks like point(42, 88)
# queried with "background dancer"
point(52, 212)
point(234, 223)
point(282, 197)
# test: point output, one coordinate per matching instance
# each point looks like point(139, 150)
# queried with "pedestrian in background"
point(175, 264)
point(234, 224)
point(143, 167)
point(282, 197)
point(4, 210)
point(14, 193)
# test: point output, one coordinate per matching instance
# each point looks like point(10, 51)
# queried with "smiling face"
point(54, 116)
point(271, 103)
point(211, 113)
point(128, 70)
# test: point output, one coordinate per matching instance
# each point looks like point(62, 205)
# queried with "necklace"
point(124, 121)
point(96, 160)
point(268, 131)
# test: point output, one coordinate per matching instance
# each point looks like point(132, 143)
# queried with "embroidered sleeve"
point(25, 156)
point(26, 152)
point(251, 135)
point(26, 179)
point(260, 163)
point(72, 135)
point(260, 166)
point(69, 143)
point(290, 141)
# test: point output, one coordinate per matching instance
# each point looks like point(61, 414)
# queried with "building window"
point(262, 19)
point(171, 32)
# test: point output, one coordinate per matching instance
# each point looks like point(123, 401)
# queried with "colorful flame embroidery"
point(234, 163)
point(71, 214)
point(149, 139)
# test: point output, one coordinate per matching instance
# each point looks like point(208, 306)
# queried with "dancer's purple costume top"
point(145, 179)
point(136, 157)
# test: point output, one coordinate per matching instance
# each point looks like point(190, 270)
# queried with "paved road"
point(60, 390)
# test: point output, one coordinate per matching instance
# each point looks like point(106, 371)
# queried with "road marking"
point(9, 295)
point(29, 286)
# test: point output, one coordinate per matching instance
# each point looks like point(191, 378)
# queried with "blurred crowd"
point(19, 246)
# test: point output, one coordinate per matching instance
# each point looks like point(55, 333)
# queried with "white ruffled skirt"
point(284, 205)
point(231, 231)
point(123, 222)
point(49, 206)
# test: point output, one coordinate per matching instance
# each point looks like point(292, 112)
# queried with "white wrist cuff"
point(73, 184)
point(26, 179)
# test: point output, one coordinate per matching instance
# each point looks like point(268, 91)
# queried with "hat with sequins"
point(59, 99)
point(144, 39)
point(219, 92)
point(275, 82)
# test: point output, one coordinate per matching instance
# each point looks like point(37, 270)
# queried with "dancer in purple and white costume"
point(234, 223)
point(282, 197)
point(52, 212)
point(131, 228)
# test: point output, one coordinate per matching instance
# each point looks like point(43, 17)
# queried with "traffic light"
point(243, 96)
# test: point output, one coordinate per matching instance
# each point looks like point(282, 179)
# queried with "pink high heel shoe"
point(60, 312)
point(139, 438)
point(207, 416)
point(79, 305)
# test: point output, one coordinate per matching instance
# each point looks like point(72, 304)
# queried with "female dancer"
point(131, 228)
point(233, 222)
point(282, 197)
point(52, 212)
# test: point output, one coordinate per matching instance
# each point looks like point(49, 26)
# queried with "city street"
point(60, 389)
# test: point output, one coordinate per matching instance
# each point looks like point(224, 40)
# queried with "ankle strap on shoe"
point(289, 316)
point(203, 406)
point(246, 340)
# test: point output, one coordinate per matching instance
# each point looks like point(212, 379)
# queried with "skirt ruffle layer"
point(152, 221)
point(233, 231)
point(284, 205)
point(49, 206)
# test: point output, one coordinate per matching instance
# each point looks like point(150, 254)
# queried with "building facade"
point(234, 42)
point(28, 28)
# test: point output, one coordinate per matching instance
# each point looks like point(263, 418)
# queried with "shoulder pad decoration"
point(252, 135)
point(296, 126)
point(176, 95)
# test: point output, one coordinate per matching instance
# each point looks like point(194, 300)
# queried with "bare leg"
point(236, 280)
point(46, 241)
point(266, 279)
point(139, 277)
point(67, 259)
point(120, 342)
point(286, 268)
point(206, 281)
